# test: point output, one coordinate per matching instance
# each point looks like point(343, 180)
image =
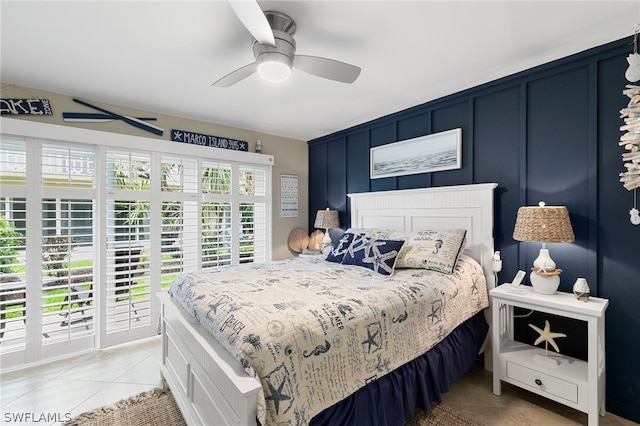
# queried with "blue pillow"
point(339, 248)
point(336, 233)
point(377, 255)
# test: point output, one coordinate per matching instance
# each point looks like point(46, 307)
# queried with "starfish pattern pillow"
point(377, 255)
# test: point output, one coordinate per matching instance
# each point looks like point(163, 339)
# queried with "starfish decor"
point(547, 336)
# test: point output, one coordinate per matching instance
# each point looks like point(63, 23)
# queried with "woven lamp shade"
point(327, 219)
point(547, 224)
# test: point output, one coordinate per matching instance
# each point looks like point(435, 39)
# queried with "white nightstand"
point(314, 255)
point(573, 382)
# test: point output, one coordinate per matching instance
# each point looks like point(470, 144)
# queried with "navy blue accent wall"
point(550, 133)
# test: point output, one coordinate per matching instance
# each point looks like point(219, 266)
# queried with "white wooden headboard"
point(446, 207)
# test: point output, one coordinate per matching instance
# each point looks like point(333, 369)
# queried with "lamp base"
point(544, 285)
point(326, 241)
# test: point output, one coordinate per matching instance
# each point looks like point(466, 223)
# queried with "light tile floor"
point(61, 390)
point(81, 383)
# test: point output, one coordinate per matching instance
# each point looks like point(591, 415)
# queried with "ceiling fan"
point(274, 49)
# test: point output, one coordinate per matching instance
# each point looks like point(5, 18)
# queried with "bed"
point(369, 340)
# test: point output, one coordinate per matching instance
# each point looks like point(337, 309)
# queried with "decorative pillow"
point(340, 247)
point(336, 233)
point(435, 250)
point(377, 255)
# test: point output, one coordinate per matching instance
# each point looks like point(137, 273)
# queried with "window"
point(67, 269)
point(68, 255)
point(109, 226)
point(216, 214)
point(13, 244)
point(179, 238)
point(253, 214)
point(128, 237)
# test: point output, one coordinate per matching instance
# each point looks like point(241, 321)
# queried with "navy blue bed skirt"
point(395, 397)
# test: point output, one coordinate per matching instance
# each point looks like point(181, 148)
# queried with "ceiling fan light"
point(274, 71)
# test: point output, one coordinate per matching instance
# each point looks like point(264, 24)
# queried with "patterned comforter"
point(313, 332)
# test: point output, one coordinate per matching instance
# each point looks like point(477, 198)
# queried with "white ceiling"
point(163, 56)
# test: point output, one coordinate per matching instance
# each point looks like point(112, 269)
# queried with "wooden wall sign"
point(15, 106)
point(208, 140)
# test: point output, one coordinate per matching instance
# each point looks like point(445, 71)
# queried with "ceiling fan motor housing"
point(279, 21)
point(275, 62)
point(283, 52)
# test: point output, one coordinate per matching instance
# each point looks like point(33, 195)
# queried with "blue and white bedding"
point(313, 332)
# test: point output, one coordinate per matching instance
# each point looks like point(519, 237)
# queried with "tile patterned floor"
point(67, 388)
point(60, 390)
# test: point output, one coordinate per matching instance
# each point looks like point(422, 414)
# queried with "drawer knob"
point(538, 382)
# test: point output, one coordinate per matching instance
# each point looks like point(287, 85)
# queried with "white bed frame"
point(210, 386)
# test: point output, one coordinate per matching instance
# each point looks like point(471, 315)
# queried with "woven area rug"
point(441, 415)
point(157, 408)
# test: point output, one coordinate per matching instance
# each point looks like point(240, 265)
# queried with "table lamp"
point(326, 219)
point(546, 224)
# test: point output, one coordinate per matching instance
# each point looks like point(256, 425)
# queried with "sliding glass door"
point(90, 232)
point(13, 262)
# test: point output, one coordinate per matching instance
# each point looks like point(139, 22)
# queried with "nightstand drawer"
point(543, 382)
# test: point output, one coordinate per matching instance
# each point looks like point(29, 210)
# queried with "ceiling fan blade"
point(327, 68)
point(236, 76)
point(252, 17)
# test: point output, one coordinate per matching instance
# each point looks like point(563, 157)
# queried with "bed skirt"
point(395, 397)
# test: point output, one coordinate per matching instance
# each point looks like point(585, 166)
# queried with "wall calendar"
point(288, 196)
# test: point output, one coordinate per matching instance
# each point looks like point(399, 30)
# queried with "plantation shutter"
point(68, 283)
point(216, 184)
point(128, 230)
point(68, 186)
point(253, 213)
point(179, 238)
point(110, 226)
point(12, 244)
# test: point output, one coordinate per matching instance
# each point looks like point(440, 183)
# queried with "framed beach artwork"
point(424, 154)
